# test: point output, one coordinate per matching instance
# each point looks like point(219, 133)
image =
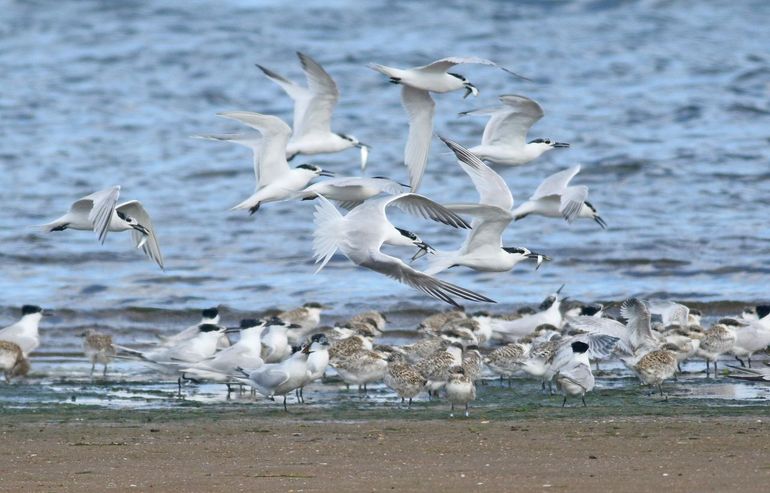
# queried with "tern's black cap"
point(28, 309)
point(247, 323)
point(208, 327)
point(318, 338)
point(579, 347)
point(209, 312)
point(763, 310)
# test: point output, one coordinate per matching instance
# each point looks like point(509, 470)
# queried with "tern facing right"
point(101, 213)
point(350, 191)
point(504, 139)
point(555, 198)
point(24, 333)
point(275, 180)
point(483, 248)
point(361, 233)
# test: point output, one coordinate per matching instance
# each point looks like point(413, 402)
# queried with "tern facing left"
point(361, 233)
point(504, 140)
point(275, 180)
point(483, 248)
point(350, 191)
point(101, 213)
point(555, 198)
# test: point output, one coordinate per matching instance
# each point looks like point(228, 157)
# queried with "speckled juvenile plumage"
point(347, 347)
point(404, 379)
point(373, 317)
point(460, 389)
point(361, 368)
point(461, 330)
point(435, 322)
point(473, 363)
point(12, 360)
point(718, 340)
point(98, 348)
point(655, 367)
point(423, 348)
point(507, 360)
point(435, 368)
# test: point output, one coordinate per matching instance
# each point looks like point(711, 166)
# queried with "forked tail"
point(328, 231)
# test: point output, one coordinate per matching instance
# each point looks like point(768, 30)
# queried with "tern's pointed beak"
point(600, 221)
point(424, 249)
point(539, 257)
point(326, 173)
point(141, 229)
point(470, 89)
point(560, 144)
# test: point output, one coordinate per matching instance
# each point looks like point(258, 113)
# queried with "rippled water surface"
point(666, 105)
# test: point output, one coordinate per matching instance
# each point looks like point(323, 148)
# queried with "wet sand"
point(236, 451)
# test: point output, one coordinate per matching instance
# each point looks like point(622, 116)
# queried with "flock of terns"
point(360, 226)
point(555, 343)
point(282, 354)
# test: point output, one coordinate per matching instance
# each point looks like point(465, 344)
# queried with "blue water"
point(666, 105)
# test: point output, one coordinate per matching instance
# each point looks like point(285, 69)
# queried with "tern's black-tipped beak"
point(326, 173)
point(470, 89)
point(539, 257)
point(560, 144)
point(361, 144)
point(600, 221)
point(231, 330)
point(141, 229)
point(424, 249)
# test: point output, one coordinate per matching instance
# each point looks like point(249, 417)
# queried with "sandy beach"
point(233, 452)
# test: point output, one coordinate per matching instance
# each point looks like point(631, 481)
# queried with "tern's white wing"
point(487, 226)
point(638, 316)
point(267, 379)
point(670, 312)
point(300, 95)
point(275, 136)
point(511, 123)
point(420, 108)
point(318, 115)
point(149, 245)
point(572, 201)
point(252, 141)
point(424, 207)
point(556, 183)
point(102, 204)
point(596, 325)
point(579, 375)
point(447, 63)
point(435, 288)
point(492, 188)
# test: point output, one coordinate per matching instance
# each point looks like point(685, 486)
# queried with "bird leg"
point(254, 209)
point(284, 404)
point(708, 367)
point(564, 402)
point(583, 398)
point(104, 373)
point(749, 360)
point(660, 389)
point(93, 365)
point(409, 406)
point(466, 410)
point(741, 362)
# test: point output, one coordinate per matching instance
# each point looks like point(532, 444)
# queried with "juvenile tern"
point(275, 180)
point(403, 379)
point(460, 389)
point(417, 84)
point(483, 247)
point(361, 233)
point(716, 341)
point(98, 348)
point(24, 333)
point(504, 140)
point(13, 363)
point(313, 108)
point(555, 198)
point(101, 213)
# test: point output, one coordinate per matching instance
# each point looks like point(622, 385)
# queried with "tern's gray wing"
point(300, 95)
point(424, 207)
point(149, 244)
point(492, 188)
point(639, 320)
point(511, 123)
point(100, 213)
point(268, 379)
point(435, 288)
point(670, 312)
point(318, 115)
point(419, 107)
point(275, 136)
point(556, 183)
point(252, 141)
point(579, 375)
point(447, 63)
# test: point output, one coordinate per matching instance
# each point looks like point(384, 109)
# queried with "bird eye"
point(547, 141)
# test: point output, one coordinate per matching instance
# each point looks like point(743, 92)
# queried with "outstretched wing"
point(435, 288)
point(324, 96)
point(300, 95)
point(100, 213)
point(150, 245)
point(511, 123)
point(492, 188)
point(421, 206)
point(419, 107)
point(447, 63)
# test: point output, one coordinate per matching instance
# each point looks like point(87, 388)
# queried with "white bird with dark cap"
point(483, 249)
point(350, 191)
point(362, 232)
point(313, 108)
point(417, 84)
point(555, 198)
point(100, 212)
point(24, 333)
point(275, 180)
point(505, 135)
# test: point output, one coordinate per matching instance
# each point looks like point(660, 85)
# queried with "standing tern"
point(313, 108)
point(361, 233)
point(349, 191)
point(483, 248)
point(555, 198)
point(275, 180)
point(24, 333)
point(504, 140)
point(101, 213)
point(279, 378)
point(417, 84)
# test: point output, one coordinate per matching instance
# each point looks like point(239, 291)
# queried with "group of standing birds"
point(364, 227)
